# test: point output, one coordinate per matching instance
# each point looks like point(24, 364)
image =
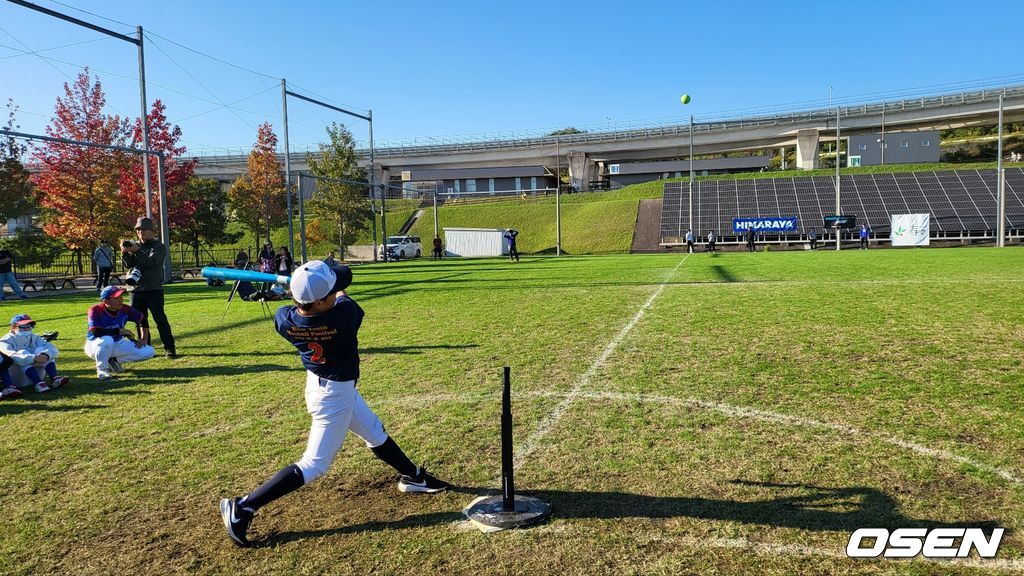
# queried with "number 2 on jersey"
point(318, 353)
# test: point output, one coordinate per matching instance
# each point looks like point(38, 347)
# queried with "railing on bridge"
point(426, 146)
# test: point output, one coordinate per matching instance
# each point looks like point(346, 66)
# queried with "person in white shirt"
point(34, 356)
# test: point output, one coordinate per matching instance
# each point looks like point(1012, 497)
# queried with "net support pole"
point(558, 200)
point(288, 169)
point(691, 173)
point(144, 119)
point(1000, 184)
point(165, 231)
point(373, 184)
point(838, 230)
point(436, 232)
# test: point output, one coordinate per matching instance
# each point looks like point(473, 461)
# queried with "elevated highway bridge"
point(586, 154)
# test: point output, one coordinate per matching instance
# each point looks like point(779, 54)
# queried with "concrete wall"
point(900, 147)
point(500, 184)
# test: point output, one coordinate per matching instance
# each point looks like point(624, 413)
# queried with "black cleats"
point(423, 481)
point(236, 519)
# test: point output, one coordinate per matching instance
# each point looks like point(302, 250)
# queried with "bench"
point(48, 283)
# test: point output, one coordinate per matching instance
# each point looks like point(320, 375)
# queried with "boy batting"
point(323, 326)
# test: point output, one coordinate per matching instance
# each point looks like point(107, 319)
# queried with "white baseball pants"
point(336, 408)
point(103, 348)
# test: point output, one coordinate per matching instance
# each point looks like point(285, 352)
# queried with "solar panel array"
point(959, 201)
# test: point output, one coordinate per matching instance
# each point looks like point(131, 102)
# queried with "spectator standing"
point(689, 242)
point(330, 260)
point(510, 237)
point(283, 262)
point(751, 241)
point(438, 251)
point(103, 257)
point(812, 237)
point(864, 232)
point(7, 275)
point(148, 298)
point(267, 258)
point(32, 354)
point(711, 240)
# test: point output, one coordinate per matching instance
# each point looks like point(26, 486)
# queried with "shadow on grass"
point(723, 274)
point(452, 263)
point(138, 374)
point(415, 349)
point(82, 382)
point(815, 508)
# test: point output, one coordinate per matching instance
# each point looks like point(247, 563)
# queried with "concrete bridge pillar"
point(807, 149)
point(382, 175)
point(581, 170)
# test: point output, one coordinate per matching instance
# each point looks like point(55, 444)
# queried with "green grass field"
point(724, 414)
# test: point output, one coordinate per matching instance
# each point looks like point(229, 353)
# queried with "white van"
point(403, 247)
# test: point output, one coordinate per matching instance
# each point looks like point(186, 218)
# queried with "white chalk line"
point(729, 410)
point(767, 416)
point(548, 423)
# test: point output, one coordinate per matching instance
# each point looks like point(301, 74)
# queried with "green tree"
point(208, 224)
point(32, 245)
point(16, 195)
point(567, 131)
point(340, 205)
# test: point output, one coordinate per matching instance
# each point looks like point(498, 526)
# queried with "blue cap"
point(22, 319)
point(111, 292)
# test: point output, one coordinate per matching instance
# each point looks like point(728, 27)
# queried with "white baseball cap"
point(314, 280)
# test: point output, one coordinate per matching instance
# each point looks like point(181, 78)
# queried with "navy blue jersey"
point(326, 342)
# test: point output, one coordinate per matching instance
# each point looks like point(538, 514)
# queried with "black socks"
point(286, 480)
point(390, 452)
point(289, 479)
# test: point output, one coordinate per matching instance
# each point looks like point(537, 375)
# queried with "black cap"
point(344, 277)
point(144, 223)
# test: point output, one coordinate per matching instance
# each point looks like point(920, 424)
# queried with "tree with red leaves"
point(257, 197)
point(163, 137)
point(80, 186)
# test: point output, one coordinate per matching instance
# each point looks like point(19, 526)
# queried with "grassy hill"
point(593, 223)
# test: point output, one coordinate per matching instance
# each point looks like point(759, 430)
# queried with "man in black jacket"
point(148, 257)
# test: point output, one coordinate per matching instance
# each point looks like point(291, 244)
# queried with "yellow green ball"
point(685, 98)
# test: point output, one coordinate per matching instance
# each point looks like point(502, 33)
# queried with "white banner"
point(909, 229)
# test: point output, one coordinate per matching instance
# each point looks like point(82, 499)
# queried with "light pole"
point(881, 140)
point(837, 179)
point(685, 99)
point(1000, 184)
point(691, 172)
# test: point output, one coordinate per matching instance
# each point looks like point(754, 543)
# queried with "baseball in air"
point(685, 98)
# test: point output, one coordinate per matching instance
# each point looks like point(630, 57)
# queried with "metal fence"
point(75, 264)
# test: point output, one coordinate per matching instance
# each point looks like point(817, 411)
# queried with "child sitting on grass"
point(32, 354)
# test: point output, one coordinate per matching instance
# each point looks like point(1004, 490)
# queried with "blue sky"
point(455, 69)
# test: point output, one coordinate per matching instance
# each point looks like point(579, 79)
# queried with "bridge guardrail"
point(824, 114)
